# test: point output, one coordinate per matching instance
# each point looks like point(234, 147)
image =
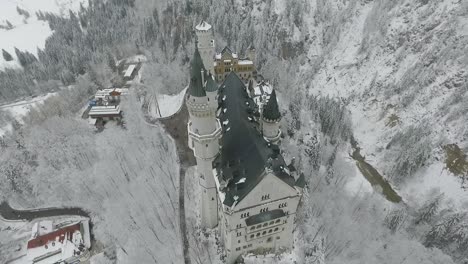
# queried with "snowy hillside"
point(24, 31)
point(363, 85)
point(400, 68)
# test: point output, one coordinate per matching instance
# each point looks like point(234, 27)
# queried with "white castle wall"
point(271, 130)
point(206, 47)
point(204, 133)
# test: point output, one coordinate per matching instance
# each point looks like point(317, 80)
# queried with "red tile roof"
point(62, 234)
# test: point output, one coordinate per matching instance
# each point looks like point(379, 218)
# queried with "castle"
point(248, 191)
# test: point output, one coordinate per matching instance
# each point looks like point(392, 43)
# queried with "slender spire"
point(196, 85)
point(250, 86)
point(210, 84)
point(271, 109)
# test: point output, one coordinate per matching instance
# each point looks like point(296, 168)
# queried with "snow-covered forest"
point(389, 76)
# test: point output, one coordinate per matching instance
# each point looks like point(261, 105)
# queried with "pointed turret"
point(271, 110)
point(271, 118)
point(204, 132)
point(196, 75)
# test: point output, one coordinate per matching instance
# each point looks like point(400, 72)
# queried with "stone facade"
point(248, 191)
point(228, 61)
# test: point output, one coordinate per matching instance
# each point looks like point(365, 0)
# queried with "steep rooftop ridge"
point(245, 154)
point(271, 109)
point(196, 86)
point(226, 50)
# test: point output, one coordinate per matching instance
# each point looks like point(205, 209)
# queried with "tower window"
point(239, 234)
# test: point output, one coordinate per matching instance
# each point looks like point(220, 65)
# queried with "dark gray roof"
point(301, 181)
point(244, 153)
point(211, 86)
point(271, 109)
point(196, 86)
point(264, 217)
point(226, 50)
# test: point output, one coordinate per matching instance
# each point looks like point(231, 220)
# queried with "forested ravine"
point(377, 181)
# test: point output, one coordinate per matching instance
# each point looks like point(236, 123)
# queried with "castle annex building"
point(248, 191)
point(226, 61)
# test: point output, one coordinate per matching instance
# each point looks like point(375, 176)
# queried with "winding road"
point(11, 214)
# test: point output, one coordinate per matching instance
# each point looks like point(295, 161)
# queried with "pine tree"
point(6, 56)
point(22, 12)
point(8, 25)
point(426, 213)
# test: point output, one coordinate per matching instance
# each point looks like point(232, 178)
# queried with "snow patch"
point(29, 34)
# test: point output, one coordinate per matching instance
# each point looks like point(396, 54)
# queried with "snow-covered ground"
point(436, 177)
point(20, 109)
point(170, 104)
point(166, 105)
point(364, 81)
point(28, 34)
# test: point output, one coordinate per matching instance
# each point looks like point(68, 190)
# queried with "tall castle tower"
point(271, 118)
point(204, 132)
point(206, 45)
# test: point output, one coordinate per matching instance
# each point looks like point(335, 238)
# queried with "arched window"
point(264, 233)
point(276, 229)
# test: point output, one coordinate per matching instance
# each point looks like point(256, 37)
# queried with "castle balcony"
point(206, 137)
point(275, 138)
point(266, 220)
